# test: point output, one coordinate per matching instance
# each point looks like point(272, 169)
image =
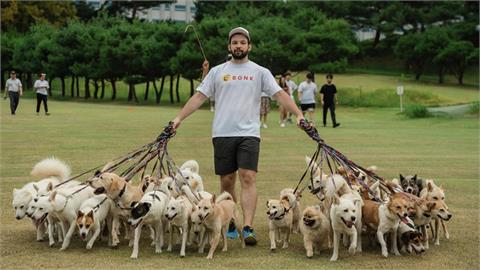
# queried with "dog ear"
point(52, 196)
point(15, 191)
point(268, 203)
point(429, 187)
point(79, 214)
point(213, 199)
point(90, 214)
point(35, 187)
point(318, 207)
point(441, 187)
point(336, 199)
point(414, 177)
point(401, 177)
point(50, 186)
point(133, 203)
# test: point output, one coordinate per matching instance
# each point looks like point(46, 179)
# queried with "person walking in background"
point(292, 87)
point(283, 111)
point(306, 94)
point(328, 98)
point(41, 88)
point(13, 87)
point(264, 109)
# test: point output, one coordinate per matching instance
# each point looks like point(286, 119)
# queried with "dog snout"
point(18, 217)
point(450, 216)
point(405, 215)
point(196, 232)
point(409, 190)
point(353, 218)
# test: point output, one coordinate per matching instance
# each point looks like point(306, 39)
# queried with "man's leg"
point(17, 100)
point(227, 183)
point(39, 100)
point(248, 195)
point(12, 101)
point(45, 106)
point(332, 113)
point(325, 110)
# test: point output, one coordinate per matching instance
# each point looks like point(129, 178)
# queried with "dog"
point(385, 218)
point(346, 218)
point(280, 215)
point(293, 199)
point(178, 213)
point(149, 211)
point(315, 228)
point(410, 239)
point(216, 218)
point(437, 194)
point(411, 184)
point(124, 195)
point(93, 215)
point(63, 204)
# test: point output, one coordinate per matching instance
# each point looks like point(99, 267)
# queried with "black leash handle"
point(167, 133)
point(311, 131)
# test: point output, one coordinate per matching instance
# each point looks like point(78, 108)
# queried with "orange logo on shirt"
point(228, 77)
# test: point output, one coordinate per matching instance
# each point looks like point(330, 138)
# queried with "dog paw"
point(182, 255)
point(285, 245)
point(333, 258)
point(352, 250)
point(273, 249)
point(89, 247)
point(437, 243)
point(63, 248)
point(209, 257)
point(447, 236)
point(309, 256)
point(385, 254)
point(51, 244)
point(134, 257)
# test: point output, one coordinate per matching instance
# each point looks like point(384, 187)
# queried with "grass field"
point(86, 135)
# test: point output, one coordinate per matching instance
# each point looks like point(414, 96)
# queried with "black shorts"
point(307, 107)
point(231, 153)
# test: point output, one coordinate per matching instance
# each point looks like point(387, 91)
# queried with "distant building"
point(182, 11)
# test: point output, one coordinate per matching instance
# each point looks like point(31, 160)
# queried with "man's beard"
point(238, 54)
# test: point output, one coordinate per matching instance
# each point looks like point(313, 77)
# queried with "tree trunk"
point(87, 88)
point(114, 89)
point(161, 88)
point(157, 94)
point(417, 76)
point(176, 88)
point(131, 92)
point(63, 85)
point(191, 87)
point(171, 90)
point(2, 74)
point(95, 93)
point(377, 37)
point(50, 89)
point(77, 82)
point(72, 87)
point(460, 77)
point(146, 91)
point(102, 94)
point(29, 80)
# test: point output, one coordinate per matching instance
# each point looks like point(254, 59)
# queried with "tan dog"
point(280, 215)
point(315, 228)
point(434, 193)
point(293, 199)
point(123, 194)
point(385, 218)
point(216, 217)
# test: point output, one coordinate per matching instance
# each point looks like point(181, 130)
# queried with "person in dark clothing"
point(328, 98)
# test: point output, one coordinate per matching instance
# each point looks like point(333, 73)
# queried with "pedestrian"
point(328, 97)
point(292, 87)
point(13, 87)
point(307, 91)
point(41, 88)
point(283, 111)
point(237, 86)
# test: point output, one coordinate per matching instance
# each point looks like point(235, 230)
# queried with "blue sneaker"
point(249, 236)
point(232, 231)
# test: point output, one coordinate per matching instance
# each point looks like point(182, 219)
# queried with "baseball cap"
point(239, 30)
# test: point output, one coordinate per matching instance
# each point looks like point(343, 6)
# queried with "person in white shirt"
point(41, 88)
point(13, 87)
point(292, 86)
point(238, 86)
point(307, 91)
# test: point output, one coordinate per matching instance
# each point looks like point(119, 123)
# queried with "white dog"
point(179, 211)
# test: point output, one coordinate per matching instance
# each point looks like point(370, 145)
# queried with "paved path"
point(452, 110)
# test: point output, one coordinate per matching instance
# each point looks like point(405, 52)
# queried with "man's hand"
point(176, 123)
point(205, 66)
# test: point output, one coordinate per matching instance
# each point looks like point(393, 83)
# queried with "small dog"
point(346, 218)
point(315, 228)
point(280, 217)
point(410, 239)
point(93, 216)
point(411, 184)
point(385, 218)
point(216, 218)
point(149, 211)
point(178, 213)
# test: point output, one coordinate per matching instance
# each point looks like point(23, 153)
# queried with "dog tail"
point(372, 168)
point(192, 165)
point(51, 167)
point(223, 197)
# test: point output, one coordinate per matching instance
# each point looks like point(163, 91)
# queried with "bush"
point(474, 108)
point(355, 97)
point(330, 67)
point(416, 111)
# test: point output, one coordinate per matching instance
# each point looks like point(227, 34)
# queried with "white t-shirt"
point(292, 86)
point(43, 87)
point(13, 85)
point(237, 89)
point(308, 91)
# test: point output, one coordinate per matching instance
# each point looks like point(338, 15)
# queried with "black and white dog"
point(411, 184)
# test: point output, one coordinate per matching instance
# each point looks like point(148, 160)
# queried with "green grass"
point(86, 135)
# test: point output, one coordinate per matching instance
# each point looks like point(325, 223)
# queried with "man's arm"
point(287, 102)
point(192, 105)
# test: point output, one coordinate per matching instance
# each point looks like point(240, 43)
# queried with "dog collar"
point(122, 191)
point(285, 211)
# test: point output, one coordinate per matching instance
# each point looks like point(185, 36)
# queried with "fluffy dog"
point(92, 217)
point(293, 200)
point(149, 211)
point(345, 216)
point(216, 217)
point(385, 218)
point(315, 228)
point(280, 217)
point(178, 214)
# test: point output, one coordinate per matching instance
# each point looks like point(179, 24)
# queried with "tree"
point(457, 56)
point(20, 15)
point(414, 59)
point(431, 42)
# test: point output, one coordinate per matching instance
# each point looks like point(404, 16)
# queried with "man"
point(328, 98)
point(41, 88)
point(306, 94)
point(292, 87)
point(237, 86)
point(13, 87)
